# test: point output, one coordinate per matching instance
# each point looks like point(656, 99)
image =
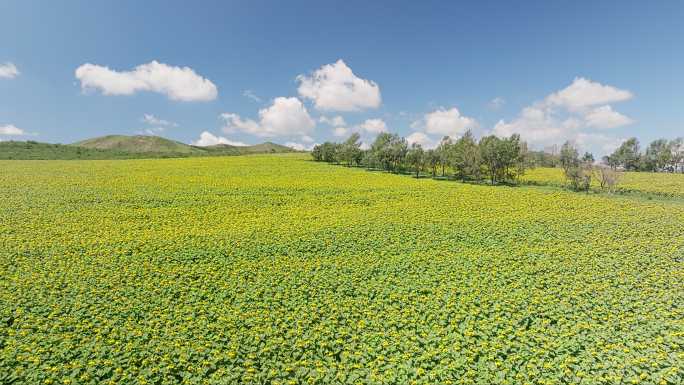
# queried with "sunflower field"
point(273, 269)
point(648, 183)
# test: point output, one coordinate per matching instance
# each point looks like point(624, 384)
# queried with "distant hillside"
point(127, 147)
point(37, 150)
point(263, 148)
point(138, 144)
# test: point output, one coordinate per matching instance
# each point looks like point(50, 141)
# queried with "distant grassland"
point(273, 269)
point(126, 147)
point(665, 184)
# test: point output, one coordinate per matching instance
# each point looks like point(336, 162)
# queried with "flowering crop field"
point(664, 184)
point(277, 270)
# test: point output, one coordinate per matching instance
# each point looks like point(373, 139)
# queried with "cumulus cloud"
point(584, 93)
point(285, 117)
point(599, 142)
point(445, 122)
point(177, 83)
point(334, 87)
point(605, 117)
point(208, 139)
point(336, 121)
point(340, 131)
point(422, 139)
point(373, 126)
point(571, 114)
point(8, 71)
point(300, 146)
point(11, 130)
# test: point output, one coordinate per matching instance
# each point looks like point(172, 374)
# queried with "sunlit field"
point(663, 184)
point(279, 270)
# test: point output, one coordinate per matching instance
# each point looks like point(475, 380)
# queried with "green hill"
point(138, 144)
point(127, 147)
point(262, 148)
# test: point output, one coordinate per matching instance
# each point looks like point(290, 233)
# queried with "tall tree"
point(658, 155)
point(627, 155)
point(389, 150)
point(677, 158)
point(569, 156)
point(503, 159)
point(443, 153)
point(578, 172)
point(433, 159)
point(415, 157)
point(350, 150)
point(465, 157)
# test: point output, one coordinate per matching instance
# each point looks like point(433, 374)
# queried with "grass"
point(276, 269)
point(126, 147)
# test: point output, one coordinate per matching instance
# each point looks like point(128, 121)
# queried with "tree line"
point(501, 160)
point(497, 160)
point(661, 155)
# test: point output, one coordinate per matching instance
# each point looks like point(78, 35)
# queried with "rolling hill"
point(128, 147)
point(138, 144)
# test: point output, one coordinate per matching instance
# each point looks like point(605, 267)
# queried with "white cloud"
point(251, 95)
point(535, 124)
point(334, 87)
point(299, 146)
point(584, 93)
point(422, 139)
point(208, 139)
point(177, 83)
point(373, 126)
point(336, 121)
point(571, 114)
point(605, 117)
point(11, 130)
point(8, 71)
point(445, 122)
point(598, 142)
point(340, 131)
point(307, 139)
point(155, 121)
point(497, 103)
point(285, 117)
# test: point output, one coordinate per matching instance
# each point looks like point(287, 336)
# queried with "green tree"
point(433, 159)
point(658, 155)
point(627, 155)
point(350, 150)
point(443, 152)
point(389, 150)
point(317, 153)
point(502, 157)
point(415, 157)
point(465, 157)
point(569, 157)
point(577, 172)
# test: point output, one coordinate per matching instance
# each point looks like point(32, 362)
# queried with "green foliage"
point(502, 158)
point(276, 270)
point(466, 159)
point(127, 147)
point(627, 155)
point(415, 158)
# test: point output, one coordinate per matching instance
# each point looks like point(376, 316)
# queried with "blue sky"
point(593, 72)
